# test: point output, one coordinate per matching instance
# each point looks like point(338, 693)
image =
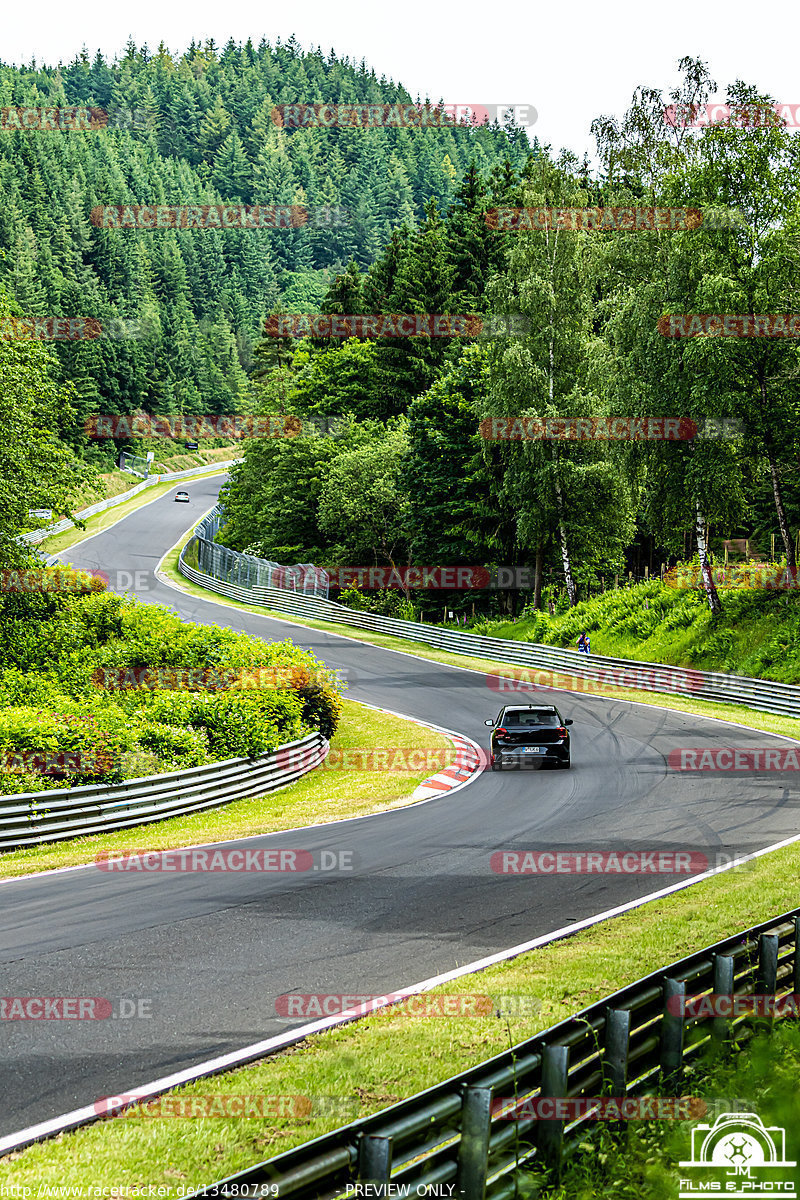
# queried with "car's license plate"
point(534, 750)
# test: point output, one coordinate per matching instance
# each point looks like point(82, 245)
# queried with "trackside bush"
point(63, 748)
point(95, 686)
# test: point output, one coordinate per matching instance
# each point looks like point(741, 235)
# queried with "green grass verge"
point(393, 1054)
point(325, 794)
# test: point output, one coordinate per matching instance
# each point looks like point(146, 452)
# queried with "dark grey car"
point(533, 733)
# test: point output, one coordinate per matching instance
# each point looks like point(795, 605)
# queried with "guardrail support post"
point(473, 1150)
point(374, 1159)
point(673, 1030)
point(615, 1056)
point(767, 974)
point(723, 986)
point(550, 1134)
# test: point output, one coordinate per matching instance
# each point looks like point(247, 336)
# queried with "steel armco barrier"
point(247, 573)
point(38, 535)
point(34, 817)
point(632, 1043)
point(761, 694)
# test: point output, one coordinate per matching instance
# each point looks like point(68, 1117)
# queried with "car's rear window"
point(530, 717)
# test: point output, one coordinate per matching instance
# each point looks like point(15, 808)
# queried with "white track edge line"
point(89, 1113)
point(215, 598)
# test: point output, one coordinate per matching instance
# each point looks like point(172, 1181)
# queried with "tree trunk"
point(702, 553)
point(775, 476)
point(537, 577)
point(562, 537)
point(788, 540)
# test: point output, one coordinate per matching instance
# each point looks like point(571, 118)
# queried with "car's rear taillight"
point(501, 732)
point(561, 731)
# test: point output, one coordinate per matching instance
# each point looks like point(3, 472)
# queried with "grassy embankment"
point(758, 632)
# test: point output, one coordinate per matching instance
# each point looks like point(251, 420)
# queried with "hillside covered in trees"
point(411, 476)
point(185, 307)
point(393, 464)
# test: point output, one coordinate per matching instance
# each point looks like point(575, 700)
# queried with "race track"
point(212, 951)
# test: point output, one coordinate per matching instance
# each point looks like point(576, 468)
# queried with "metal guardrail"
point(635, 1042)
point(30, 818)
point(38, 535)
point(581, 669)
point(247, 572)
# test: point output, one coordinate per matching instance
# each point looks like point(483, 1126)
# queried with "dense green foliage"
point(96, 687)
point(197, 128)
point(438, 487)
point(37, 468)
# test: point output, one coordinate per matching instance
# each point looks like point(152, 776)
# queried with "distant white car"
point(182, 497)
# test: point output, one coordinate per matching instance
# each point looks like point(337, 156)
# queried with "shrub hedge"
point(96, 687)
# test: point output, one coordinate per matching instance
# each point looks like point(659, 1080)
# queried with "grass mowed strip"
point(342, 788)
point(331, 1078)
point(495, 698)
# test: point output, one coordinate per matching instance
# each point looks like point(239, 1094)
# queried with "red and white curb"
point(469, 759)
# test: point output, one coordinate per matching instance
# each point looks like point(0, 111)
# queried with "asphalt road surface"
point(209, 953)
